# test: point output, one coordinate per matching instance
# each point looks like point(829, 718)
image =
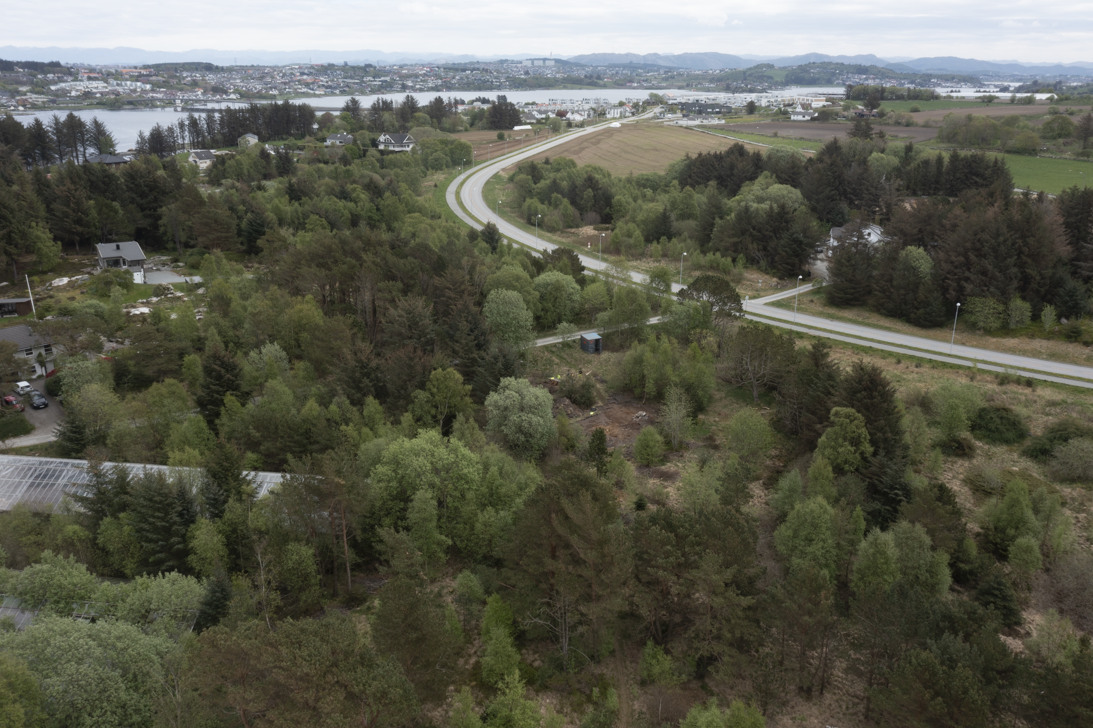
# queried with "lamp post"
point(952, 339)
point(537, 216)
point(498, 209)
point(681, 268)
point(601, 247)
point(795, 295)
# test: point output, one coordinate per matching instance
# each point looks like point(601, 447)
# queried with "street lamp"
point(537, 226)
point(681, 268)
point(601, 247)
point(953, 337)
point(499, 209)
point(795, 295)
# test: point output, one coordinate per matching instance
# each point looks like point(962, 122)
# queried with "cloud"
point(1005, 29)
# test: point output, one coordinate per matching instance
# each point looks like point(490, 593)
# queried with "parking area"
point(45, 420)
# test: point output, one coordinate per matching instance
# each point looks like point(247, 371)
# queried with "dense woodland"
point(448, 547)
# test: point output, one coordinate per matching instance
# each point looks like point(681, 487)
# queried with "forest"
point(792, 530)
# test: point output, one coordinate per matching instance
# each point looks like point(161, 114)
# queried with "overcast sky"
point(1020, 30)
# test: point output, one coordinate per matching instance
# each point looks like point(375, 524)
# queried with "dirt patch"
point(621, 418)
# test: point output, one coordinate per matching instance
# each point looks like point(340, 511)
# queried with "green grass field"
point(948, 104)
point(1043, 174)
point(768, 140)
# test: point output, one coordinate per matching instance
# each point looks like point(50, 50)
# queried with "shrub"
point(13, 424)
point(649, 447)
point(998, 425)
point(1060, 432)
point(580, 389)
point(983, 480)
point(1073, 461)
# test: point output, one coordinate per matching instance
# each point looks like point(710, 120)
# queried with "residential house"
point(110, 160)
point(203, 158)
point(36, 350)
point(340, 139)
point(127, 255)
point(247, 140)
point(799, 113)
point(395, 142)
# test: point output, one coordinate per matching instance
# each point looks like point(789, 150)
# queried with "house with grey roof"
point(339, 139)
point(203, 158)
point(247, 140)
point(34, 351)
point(121, 255)
point(395, 142)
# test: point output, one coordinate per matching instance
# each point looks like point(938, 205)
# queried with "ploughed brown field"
point(638, 148)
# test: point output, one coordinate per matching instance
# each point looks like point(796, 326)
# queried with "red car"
point(12, 402)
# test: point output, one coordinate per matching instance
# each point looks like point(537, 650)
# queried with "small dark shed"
point(15, 307)
point(592, 343)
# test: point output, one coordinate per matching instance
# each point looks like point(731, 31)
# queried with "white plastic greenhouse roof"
point(42, 483)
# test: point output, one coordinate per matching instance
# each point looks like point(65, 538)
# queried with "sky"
point(1019, 30)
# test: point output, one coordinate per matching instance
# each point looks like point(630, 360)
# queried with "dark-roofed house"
point(339, 140)
point(36, 350)
point(203, 158)
point(110, 160)
point(121, 255)
point(395, 142)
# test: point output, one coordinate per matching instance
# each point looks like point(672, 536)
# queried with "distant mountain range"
point(947, 64)
point(686, 61)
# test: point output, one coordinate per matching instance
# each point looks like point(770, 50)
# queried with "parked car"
point(38, 400)
point(10, 401)
point(23, 388)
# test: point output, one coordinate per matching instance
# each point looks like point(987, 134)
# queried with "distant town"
point(29, 85)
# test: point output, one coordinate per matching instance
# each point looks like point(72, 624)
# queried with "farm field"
point(1045, 174)
point(640, 148)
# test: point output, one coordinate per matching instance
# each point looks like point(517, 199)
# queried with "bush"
point(580, 389)
point(998, 425)
point(984, 480)
point(1073, 461)
point(1058, 433)
point(106, 281)
point(53, 385)
point(960, 445)
point(649, 447)
point(13, 424)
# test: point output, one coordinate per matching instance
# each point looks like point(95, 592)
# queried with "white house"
point(203, 158)
point(247, 140)
point(36, 350)
point(395, 142)
point(339, 139)
point(801, 114)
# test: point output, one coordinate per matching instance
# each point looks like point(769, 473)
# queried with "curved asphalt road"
point(468, 187)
